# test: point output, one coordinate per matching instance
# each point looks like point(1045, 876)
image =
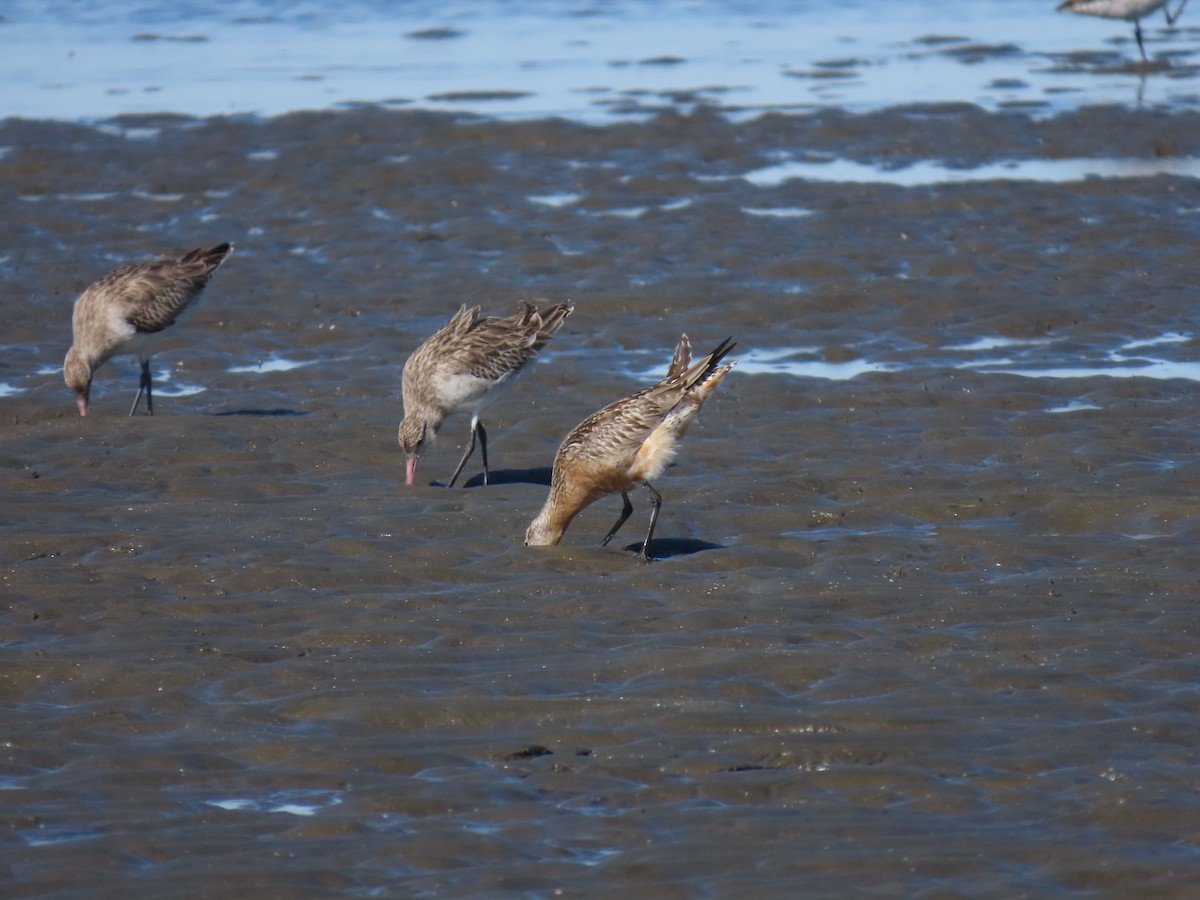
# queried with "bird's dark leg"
point(625, 511)
point(144, 385)
point(470, 449)
point(1167, 12)
point(1137, 32)
point(483, 450)
point(656, 499)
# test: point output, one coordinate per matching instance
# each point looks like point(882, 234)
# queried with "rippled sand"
point(927, 630)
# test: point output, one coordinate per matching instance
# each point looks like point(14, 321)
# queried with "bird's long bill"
point(410, 469)
point(82, 403)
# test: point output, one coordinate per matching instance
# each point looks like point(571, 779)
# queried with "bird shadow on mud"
point(536, 475)
point(666, 548)
point(261, 412)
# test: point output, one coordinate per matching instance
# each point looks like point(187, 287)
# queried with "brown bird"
point(127, 310)
point(625, 443)
point(466, 367)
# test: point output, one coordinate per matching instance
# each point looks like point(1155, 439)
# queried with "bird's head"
point(78, 375)
point(413, 435)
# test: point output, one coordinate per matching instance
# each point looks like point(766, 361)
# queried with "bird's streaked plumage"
point(127, 310)
point(466, 367)
point(626, 443)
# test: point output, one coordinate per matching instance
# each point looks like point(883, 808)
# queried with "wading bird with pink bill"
point(626, 443)
point(1126, 10)
point(466, 367)
point(127, 310)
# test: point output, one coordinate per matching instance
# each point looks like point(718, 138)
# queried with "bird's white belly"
point(469, 393)
point(1119, 9)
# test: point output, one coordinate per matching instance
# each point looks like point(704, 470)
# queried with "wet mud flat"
point(927, 630)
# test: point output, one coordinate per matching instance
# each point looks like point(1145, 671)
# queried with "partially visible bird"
point(626, 443)
point(466, 367)
point(127, 310)
point(1127, 10)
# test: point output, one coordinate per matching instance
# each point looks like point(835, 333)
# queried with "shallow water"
point(923, 617)
point(590, 62)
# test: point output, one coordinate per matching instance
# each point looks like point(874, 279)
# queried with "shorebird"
point(466, 367)
point(1127, 10)
point(127, 310)
point(626, 443)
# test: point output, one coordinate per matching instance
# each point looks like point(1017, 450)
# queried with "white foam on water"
point(783, 212)
point(631, 212)
point(158, 198)
point(995, 343)
point(87, 197)
point(178, 390)
point(555, 200)
point(783, 361)
point(295, 809)
point(133, 134)
point(293, 803)
point(1116, 363)
point(1072, 406)
point(49, 836)
point(232, 804)
point(923, 173)
point(273, 363)
point(1158, 369)
point(1171, 337)
point(1043, 361)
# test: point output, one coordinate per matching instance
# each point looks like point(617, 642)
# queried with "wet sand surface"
point(925, 631)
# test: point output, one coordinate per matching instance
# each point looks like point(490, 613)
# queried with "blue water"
point(592, 62)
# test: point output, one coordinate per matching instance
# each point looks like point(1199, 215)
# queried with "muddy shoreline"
point(920, 602)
